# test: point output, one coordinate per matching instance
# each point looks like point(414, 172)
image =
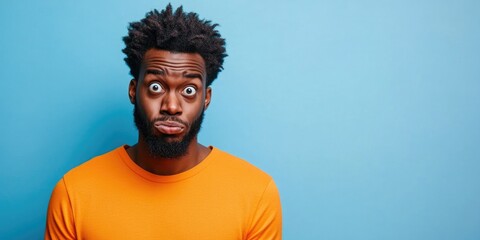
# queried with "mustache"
point(169, 118)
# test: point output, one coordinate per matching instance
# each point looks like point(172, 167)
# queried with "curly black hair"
point(177, 32)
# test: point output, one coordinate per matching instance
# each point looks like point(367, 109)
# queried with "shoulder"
point(237, 168)
point(256, 190)
point(93, 169)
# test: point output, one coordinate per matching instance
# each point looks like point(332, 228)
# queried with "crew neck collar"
point(122, 152)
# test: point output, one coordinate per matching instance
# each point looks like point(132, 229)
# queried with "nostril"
point(170, 105)
point(171, 109)
point(169, 113)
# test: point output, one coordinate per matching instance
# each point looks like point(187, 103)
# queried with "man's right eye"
point(155, 87)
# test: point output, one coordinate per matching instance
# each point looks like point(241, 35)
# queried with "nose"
point(171, 104)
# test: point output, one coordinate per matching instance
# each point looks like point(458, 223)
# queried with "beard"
point(164, 146)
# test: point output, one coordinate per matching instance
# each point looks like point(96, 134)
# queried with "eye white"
point(189, 91)
point(155, 87)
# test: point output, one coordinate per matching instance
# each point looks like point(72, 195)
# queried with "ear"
point(132, 91)
point(208, 97)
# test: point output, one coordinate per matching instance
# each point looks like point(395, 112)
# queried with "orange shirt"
point(110, 197)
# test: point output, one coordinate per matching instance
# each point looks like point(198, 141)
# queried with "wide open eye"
point(155, 87)
point(189, 91)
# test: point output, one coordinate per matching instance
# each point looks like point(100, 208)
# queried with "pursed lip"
point(169, 127)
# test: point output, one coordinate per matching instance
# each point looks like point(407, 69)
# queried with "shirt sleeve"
point(60, 221)
point(267, 221)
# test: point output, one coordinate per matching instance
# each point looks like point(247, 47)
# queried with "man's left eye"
point(189, 91)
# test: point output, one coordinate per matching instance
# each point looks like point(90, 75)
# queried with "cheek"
point(194, 110)
point(149, 107)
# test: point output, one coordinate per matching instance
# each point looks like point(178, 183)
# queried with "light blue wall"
point(367, 113)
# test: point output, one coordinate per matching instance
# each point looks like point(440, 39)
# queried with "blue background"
point(365, 112)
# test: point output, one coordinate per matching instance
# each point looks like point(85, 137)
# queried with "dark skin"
point(170, 84)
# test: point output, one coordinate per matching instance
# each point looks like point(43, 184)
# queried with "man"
point(167, 186)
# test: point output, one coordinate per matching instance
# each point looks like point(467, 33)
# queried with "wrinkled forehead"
point(167, 61)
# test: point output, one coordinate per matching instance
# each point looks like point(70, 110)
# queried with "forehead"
point(173, 61)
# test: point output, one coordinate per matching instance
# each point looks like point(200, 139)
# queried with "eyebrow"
point(193, 75)
point(162, 73)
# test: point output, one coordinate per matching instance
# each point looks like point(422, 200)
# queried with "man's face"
point(170, 98)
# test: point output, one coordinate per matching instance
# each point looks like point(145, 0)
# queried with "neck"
point(140, 154)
